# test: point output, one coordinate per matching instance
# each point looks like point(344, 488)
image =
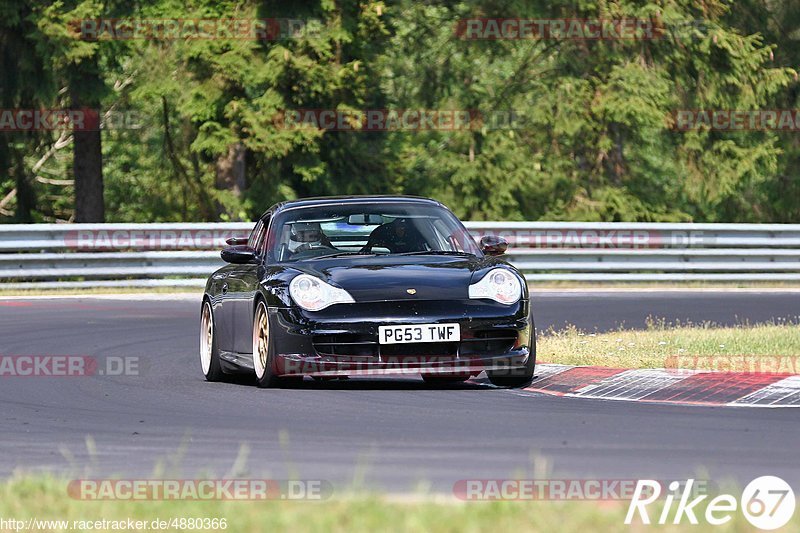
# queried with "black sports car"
point(378, 285)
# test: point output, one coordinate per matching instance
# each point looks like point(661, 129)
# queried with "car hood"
point(385, 278)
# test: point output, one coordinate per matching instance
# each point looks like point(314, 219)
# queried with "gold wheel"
point(206, 338)
point(261, 341)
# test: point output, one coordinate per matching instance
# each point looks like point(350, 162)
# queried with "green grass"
point(46, 499)
point(700, 346)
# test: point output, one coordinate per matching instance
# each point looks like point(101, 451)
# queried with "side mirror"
point(240, 255)
point(234, 241)
point(493, 245)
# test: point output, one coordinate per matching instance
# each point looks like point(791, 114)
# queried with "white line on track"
point(623, 291)
point(631, 385)
point(158, 297)
point(785, 391)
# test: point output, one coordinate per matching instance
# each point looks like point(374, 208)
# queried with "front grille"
point(483, 342)
point(488, 342)
point(346, 344)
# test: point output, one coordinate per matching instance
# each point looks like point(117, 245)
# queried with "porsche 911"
point(366, 286)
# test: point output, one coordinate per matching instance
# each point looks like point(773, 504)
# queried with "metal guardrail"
point(125, 255)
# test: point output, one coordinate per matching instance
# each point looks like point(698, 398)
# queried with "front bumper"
point(343, 339)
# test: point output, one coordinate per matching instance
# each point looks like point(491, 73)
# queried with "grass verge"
point(764, 347)
point(43, 499)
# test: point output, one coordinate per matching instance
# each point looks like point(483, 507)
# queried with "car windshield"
point(367, 229)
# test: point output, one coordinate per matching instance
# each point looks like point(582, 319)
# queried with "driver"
point(311, 235)
point(399, 236)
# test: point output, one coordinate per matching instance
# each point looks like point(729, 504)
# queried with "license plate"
point(419, 333)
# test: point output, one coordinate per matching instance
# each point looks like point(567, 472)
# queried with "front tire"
point(264, 353)
point(209, 354)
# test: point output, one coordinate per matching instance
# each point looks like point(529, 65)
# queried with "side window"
point(256, 236)
point(265, 237)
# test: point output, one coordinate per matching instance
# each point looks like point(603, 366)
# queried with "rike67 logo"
point(767, 503)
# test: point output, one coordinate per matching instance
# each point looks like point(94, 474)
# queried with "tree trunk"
point(26, 196)
point(231, 173)
point(88, 169)
point(87, 148)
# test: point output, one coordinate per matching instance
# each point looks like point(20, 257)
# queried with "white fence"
point(75, 255)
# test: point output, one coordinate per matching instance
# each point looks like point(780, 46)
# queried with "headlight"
point(499, 285)
point(313, 294)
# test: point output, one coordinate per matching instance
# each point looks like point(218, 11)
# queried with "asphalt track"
point(395, 434)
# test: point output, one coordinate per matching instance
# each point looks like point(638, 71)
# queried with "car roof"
point(342, 200)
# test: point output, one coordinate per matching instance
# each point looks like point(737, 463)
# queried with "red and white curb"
point(685, 387)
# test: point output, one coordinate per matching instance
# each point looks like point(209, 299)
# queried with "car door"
point(222, 322)
point(225, 294)
point(242, 286)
